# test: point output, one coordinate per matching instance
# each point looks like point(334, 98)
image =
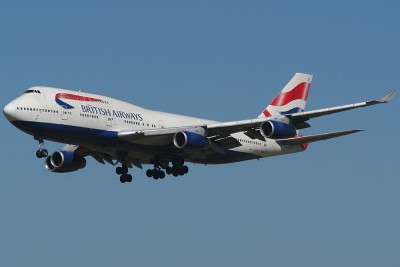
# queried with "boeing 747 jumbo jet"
point(123, 134)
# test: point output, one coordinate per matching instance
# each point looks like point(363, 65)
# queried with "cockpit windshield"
point(32, 91)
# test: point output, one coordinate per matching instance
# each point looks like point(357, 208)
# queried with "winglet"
point(388, 97)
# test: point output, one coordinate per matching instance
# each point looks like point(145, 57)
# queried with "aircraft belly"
point(102, 140)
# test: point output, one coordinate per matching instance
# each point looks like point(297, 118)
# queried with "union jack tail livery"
point(292, 98)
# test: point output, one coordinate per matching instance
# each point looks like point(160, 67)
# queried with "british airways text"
point(112, 113)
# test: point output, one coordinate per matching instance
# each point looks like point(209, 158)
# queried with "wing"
point(298, 119)
point(220, 133)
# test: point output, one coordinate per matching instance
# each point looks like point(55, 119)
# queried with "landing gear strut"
point(41, 152)
point(156, 172)
point(123, 172)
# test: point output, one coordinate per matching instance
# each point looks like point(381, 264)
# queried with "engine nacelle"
point(277, 130)
point(190, 140)
point(64, 161)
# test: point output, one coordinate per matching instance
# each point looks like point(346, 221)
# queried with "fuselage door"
point(109, 121)
point(64, 114)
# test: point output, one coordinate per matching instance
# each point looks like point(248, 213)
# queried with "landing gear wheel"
point(175, 172)
point(185, 169)
point(181, 171)
point(42, 153)
point(118, 170)
point(123, 172)
point(162, 174)
point(149, 173)
point(168, 170)
point(45, 153)
point(155, 173)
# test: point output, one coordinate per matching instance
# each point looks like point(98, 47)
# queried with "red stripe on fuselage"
point(77, 97)
point(299, 92)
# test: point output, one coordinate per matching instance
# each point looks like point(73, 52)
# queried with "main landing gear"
point(177, 169)
point(156, 173)
point(123, 172)
point(41, 152)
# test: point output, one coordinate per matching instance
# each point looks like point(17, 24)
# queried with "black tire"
point(175, 172)
point(185, 169)
point(38, 154)
point(181, 171)
point(162, 174)
point(149, 173)
point(122, 178)
point(168, 170)
point(118, 170)
point(128, 178)
point(45, 153)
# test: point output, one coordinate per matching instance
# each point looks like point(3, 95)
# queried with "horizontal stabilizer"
point(389, 96)
point(314, 138)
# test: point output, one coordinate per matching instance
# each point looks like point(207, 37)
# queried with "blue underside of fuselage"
point(89, 137)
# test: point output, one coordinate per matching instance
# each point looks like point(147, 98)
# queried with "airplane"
point(116, 132)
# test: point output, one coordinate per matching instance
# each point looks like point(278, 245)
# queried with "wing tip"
point(388, 97)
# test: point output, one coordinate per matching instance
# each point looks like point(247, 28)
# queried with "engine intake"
point(64, 161)
point(190, 140)
point(277, 129)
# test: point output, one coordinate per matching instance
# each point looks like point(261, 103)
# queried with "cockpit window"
point(32, 91)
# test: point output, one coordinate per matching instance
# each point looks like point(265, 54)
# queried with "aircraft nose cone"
point(9, 111)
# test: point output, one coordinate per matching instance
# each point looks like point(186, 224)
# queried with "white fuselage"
point(60, 115)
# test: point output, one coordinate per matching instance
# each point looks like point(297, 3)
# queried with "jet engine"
point(277, 130)
point(190, 140)
point(64, 161)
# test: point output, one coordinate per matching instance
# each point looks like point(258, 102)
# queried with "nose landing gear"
point(41, 152)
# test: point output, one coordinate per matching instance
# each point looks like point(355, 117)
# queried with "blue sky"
point(337, 204)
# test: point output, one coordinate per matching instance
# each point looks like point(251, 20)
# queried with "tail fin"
point(292, 98)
